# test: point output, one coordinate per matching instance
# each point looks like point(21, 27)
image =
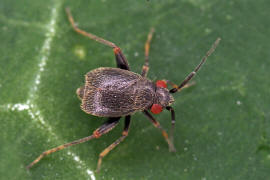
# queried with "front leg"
point(164, 133)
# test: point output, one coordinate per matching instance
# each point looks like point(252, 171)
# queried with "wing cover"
point(113, 92)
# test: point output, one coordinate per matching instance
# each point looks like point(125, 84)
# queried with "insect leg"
point(115, 143)
point(103, 129)
point(121, 61)
point(145, 67)
point(164, 133)
point(192, 74)
point(169, 108)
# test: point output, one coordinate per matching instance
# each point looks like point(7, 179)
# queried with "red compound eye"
point(156, 109)
point(161, 83)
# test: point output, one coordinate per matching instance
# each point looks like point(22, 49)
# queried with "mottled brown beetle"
point(116, 92)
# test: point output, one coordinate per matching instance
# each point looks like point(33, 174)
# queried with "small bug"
point(117, 92)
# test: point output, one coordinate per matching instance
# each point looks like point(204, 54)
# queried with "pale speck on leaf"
point(80, 52)
point(208, 30)
point(238, 103)
point(228, 17)
point(136, 54)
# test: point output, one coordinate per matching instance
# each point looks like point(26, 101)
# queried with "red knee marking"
point(125, 133)
point(96, 134)
point(116, 50)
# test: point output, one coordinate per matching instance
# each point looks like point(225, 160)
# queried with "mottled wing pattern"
point(113, 92)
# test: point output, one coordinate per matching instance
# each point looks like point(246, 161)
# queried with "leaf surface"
point(222, 123)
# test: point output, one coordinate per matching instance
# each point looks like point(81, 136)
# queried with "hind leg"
point(121, 61)
point(103, 129)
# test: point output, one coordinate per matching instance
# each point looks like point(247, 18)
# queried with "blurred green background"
point(222, 123)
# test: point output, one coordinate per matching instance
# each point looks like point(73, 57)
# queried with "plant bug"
point(117, 92)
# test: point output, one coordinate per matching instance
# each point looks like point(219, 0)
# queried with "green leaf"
point(222, 123)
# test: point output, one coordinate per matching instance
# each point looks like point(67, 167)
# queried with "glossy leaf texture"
point(222, 122)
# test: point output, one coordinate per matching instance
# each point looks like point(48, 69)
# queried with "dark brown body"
point(117, 92)
point(114, 92)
